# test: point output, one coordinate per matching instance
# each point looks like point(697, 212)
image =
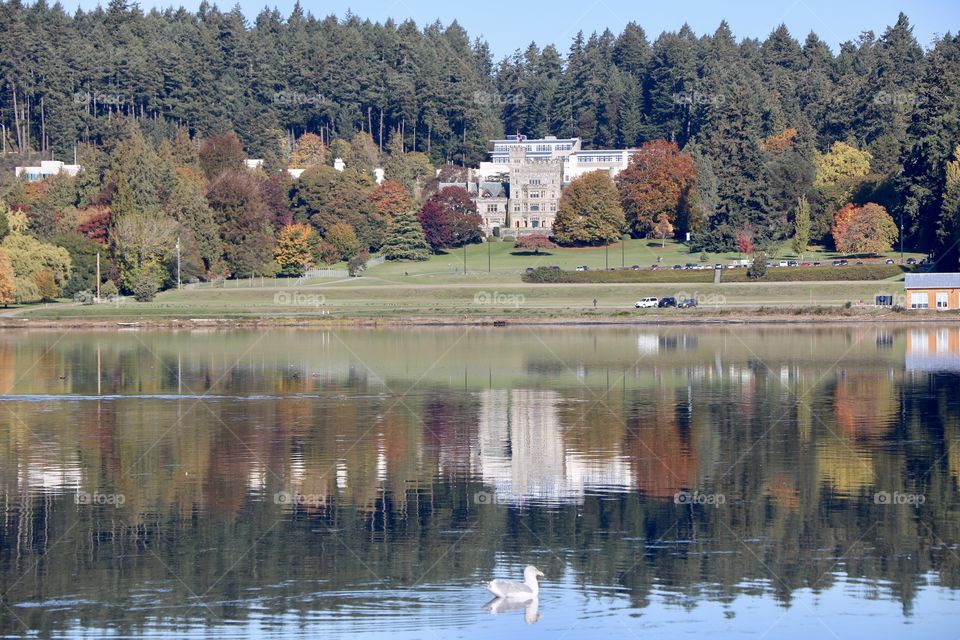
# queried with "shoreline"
point(739, 318)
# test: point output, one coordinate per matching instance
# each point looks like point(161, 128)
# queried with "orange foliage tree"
point(390, 198)
point(864, 229)
point(659, 180)
point(7, 282)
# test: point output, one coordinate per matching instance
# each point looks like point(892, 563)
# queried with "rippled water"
point(715, 481)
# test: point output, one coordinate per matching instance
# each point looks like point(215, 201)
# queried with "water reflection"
point(372, 480)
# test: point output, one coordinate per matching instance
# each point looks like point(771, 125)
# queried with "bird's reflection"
point(531, 613)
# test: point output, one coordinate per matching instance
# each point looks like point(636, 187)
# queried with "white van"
point(646, 303)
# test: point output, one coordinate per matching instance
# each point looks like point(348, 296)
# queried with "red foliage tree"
point(450, 219)
point(95, 224)
point(745, 241)
point(660, 179)
point(534, 241)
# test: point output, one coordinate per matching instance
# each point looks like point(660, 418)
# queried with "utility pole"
point(623, 243)
point(464, 258)
point(488, 256)
point(606, 256)
point(901, 235)
point(178, 263)
point(98, 276)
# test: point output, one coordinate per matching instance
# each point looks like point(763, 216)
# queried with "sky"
point(510, 25)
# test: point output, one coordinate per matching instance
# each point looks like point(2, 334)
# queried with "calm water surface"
point(791, 483)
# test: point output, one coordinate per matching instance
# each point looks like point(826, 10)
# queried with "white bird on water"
point(526, 590)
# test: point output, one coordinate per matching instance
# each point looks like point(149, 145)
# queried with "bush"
point(145, 286)
point(83, 297)
point(357, 263)
point(758, 269)
point(109, 290)
point(76, 284)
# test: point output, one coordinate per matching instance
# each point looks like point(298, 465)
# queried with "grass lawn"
point(466, 299)
point(506, 267)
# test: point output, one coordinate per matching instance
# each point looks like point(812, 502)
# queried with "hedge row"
point(857, 272)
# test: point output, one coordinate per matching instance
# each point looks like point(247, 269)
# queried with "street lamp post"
point(623, 243)
point(606, 255)
point(488, 255)
point(464, 258)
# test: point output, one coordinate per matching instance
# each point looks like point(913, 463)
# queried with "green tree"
point(589, 212)
point(405, 239)
point(801, 226)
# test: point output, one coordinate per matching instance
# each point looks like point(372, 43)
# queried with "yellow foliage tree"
point(296, 249)
point(7, 282)
point(840, 170)
point(309, 151)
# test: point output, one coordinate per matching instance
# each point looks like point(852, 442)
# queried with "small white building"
point(47, 169)
point(576, 160)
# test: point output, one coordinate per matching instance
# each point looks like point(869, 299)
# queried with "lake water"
point(680, 481)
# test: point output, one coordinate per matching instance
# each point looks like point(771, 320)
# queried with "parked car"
point(583, 267)
point(529, 269)
point(687, 303)
point(677, 266)
point(793, 263)
point(817, 264)
point(635, 267)
point(646, 303)
point(691, 265)
point(718, 266)
point(667, 302)
point(911, 261)
point(888, 261)
point(654, 267)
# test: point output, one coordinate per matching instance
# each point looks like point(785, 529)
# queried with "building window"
point(516, 208)
point(534, 194)
point(943, 299)
point(920, 300)
point(535, 181)
point(534, 207)
point(491, 208)
point(534, 223)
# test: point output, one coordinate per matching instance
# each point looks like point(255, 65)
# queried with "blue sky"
point(509, 25)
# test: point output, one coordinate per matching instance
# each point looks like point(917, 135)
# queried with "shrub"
point(109, 290)
point(145, 286)
point(357, 263)
point(83, 297)
point(758, 269)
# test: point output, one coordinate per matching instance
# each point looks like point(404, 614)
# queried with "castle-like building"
point(520, 186)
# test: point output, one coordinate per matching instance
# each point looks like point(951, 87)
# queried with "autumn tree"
point(390, 198)
point(840, 170)
point(659, 180)
point(534, 242)
point(221, 153)
point(7, 280)
point(662, 228)
point(309, 151)
point(744, 240)
point(297, 249)
point(405, 239)
point(47, 288)
point(864, 229)
point(450, 219)
point(244, 221)
point(344, 238)
point(589, 212)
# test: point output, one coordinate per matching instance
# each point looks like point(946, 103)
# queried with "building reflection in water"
point(933, 349)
